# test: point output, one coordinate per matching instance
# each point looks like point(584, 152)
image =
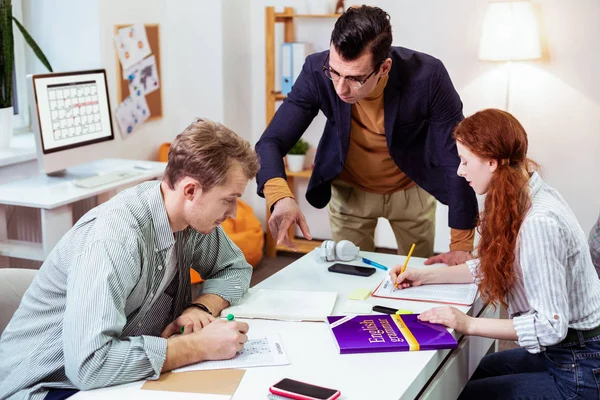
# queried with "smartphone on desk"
point(303, 391)
point(351, 269)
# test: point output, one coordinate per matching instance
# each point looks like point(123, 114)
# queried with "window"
point(21, 108)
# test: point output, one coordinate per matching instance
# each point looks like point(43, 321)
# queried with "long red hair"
point(496, 135)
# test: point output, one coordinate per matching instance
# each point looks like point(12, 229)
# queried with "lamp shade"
point(510, 32)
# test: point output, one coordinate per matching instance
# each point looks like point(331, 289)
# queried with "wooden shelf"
point(289, 14)
point(286, 18)
point(283, 16)
point(318, 15)
point(22, 249)
point(278, 96)
point(302, 174)
point(302, 245)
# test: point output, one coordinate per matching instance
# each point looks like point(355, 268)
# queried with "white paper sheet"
point(286, 305)
point(132, 45)
point(143, 77)
point(257, 352)
point(131, 113)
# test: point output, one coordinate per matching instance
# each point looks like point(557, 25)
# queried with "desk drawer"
point(451, 378)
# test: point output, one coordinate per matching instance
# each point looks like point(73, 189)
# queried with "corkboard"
point(153, 99)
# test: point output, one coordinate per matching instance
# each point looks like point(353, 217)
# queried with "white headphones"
point(344, 250)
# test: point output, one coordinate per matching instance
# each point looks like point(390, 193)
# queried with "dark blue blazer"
point(421, 108)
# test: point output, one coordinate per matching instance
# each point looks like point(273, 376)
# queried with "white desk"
point(54, 197)
point(314, 357)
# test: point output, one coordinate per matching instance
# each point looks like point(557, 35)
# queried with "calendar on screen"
point(74, 110)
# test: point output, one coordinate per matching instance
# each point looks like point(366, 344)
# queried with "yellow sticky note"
point(360, 294)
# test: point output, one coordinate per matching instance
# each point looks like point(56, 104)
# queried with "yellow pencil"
point(412, 248)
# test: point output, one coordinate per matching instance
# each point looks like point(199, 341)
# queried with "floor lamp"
point(509, 33)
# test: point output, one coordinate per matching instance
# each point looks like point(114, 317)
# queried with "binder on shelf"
point(292, 60)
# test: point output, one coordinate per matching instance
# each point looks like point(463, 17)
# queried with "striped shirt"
point(557, 286)
point(594, 243)
point(93, 315)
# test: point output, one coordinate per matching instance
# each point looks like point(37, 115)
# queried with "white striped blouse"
point(557, 286)
point(94, 313)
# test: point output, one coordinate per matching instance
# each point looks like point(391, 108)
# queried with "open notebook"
point(452, 293)
point(287, 305)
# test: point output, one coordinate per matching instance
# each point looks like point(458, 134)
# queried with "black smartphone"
point(352, 269)
point(303, 391)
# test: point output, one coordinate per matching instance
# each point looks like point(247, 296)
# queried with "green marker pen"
point(230, 317)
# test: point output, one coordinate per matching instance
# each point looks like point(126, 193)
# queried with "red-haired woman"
point(533, 258)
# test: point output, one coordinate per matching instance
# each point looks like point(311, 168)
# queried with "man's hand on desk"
point(448, 316)
point(285, 212)
point(453, 257)
point(219, 340)
point(192, 320)
point(222, 339)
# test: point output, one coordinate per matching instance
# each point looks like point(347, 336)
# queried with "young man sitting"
point(106, 302)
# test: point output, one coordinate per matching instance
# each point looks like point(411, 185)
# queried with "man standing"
point(105, 304)
point(387, 146)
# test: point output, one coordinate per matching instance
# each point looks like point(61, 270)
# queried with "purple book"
point(383, 332)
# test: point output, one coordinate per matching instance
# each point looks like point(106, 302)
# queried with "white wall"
point(66, 30)
point(79, 35)
point(408, 26)
point(556, 99)
point(191, 70)
point(559, 103)
point(237, 73)
point(214, 66)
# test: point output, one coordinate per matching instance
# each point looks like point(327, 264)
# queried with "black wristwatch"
point(200, 306)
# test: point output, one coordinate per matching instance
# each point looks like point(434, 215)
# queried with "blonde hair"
point(206, 151)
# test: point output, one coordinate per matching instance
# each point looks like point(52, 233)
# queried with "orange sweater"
point(369, 166)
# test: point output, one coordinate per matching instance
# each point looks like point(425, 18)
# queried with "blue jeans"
point(563, 371)
point(60, 394)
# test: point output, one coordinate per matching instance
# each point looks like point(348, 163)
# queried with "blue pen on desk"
point(375, 264)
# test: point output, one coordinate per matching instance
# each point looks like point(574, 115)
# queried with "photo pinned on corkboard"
point(139, 93)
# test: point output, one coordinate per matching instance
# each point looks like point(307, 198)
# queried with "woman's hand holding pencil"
point(399, 274)
point(412, 248)
point(408, 278)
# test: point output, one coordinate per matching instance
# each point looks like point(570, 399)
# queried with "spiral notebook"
point(451, 293)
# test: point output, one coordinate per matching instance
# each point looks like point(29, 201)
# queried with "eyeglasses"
point(352, 81)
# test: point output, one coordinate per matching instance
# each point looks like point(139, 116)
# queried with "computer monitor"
point(71, 119)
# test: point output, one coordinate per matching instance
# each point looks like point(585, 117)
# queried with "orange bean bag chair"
point(163, 152)
point(245, 230)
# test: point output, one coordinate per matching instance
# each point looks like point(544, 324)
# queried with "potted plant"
point(295, 157)
point(7, 59)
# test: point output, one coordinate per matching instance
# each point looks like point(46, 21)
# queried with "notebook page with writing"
point(451, 293)
point(286, 305)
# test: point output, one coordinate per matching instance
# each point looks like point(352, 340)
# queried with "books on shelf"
point(287, 305)
point(385, 333)
point(293, 56)
point(452, 293)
